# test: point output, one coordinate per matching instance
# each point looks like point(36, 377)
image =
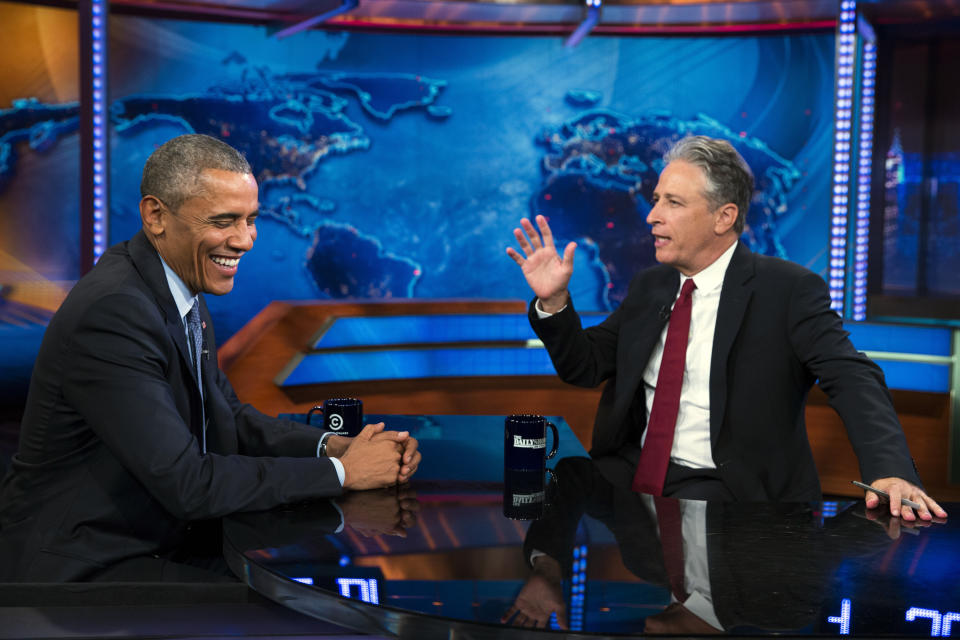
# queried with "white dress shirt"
point(691, 439)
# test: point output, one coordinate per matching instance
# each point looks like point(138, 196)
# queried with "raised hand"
point(546, 273)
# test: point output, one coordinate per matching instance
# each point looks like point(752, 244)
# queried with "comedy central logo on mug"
point(335, 421)
point(529, 443)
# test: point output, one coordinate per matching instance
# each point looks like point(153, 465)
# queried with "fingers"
point(531, 241)
point(409, 468)
point(568, 255)
point(394, 436)
point(546, 232)
point(408, 456)
point(934, 507)
point(515, 256)
point(901, 493)
point(370, 430)
point(409, 449)
point(521, 237)
point(895, 506)
point(534, 236)
point(410, 460)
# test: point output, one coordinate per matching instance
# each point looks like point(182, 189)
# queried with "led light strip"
point(861, 242)
point(578, 589)
point(843, 125)
point(98, 95)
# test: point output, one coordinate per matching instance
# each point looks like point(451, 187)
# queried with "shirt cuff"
point(341, 474)
point(543, 314)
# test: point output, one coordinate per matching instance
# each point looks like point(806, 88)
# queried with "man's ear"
point(151, 213)
point(726, 218)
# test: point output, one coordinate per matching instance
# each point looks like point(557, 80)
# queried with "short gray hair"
point(172, 172)
point(729, 178)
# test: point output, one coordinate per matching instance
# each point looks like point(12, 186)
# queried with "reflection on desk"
point(453, 563)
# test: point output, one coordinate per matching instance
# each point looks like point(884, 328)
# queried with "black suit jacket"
point(109, 465)
point(775, 336)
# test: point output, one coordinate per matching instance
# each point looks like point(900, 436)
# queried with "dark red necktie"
point(655, 455)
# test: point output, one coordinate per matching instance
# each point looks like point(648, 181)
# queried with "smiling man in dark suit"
point(131, 433)
point(757, 333)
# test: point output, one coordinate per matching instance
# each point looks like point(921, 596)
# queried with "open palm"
point(547, 274)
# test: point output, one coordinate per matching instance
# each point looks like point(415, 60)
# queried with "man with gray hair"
point(709, 358)
point(132, 438)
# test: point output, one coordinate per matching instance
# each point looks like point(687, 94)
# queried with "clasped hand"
point(375, 458)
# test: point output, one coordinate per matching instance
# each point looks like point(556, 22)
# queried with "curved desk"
point(742, 569)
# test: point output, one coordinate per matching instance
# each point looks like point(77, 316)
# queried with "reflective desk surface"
point(450, 555)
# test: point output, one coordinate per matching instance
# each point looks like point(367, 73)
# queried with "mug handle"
point(550, 486)
point(318, 407)
point(556, 440)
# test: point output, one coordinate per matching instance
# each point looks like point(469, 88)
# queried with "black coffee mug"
point(525, 442)
point(526, 492)
point(342, 416)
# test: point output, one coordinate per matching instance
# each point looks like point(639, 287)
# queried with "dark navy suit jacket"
point(109, 466)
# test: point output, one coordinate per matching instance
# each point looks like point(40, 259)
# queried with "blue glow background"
point(426, 206)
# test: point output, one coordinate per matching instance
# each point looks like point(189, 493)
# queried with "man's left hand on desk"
point(898, 488)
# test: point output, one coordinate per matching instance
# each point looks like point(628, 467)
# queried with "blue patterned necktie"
point(195, 329)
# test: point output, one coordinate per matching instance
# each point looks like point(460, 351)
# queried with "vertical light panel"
point(842, 145)
point(578, 589)
point(865, 157)
point(94, 115)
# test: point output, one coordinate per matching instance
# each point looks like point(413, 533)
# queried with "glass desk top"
point(450, 555)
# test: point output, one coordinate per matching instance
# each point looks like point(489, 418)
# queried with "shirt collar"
point(711, 278)
point(178, 288)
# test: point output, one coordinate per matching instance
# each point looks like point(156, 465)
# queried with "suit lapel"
point(734, 298)
point(148, 264)
point(641, 331)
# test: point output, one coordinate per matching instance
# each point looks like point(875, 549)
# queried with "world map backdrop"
point(397, 165)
